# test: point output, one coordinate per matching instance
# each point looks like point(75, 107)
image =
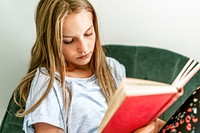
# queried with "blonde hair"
point(47, 51)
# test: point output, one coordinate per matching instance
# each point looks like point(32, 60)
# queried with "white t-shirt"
point(87, 108)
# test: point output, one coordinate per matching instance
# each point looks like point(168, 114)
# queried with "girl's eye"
point(68, 41)
point(88, 34)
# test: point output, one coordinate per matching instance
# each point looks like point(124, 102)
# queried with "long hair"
point(47, 51)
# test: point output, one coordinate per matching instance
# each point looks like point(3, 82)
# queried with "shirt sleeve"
point(51, 110)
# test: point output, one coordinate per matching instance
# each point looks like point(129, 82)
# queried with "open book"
point(137, 102)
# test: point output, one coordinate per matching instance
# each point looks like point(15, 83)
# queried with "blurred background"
point(168, 24)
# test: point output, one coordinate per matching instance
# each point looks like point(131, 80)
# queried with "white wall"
point(170, 24)
point(17, 35)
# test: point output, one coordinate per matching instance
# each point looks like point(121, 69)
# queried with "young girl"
point(70, 80)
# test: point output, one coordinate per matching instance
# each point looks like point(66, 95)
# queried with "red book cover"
point(137, 102)
point(137, 111)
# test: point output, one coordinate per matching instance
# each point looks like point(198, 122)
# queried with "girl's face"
point(78, 39)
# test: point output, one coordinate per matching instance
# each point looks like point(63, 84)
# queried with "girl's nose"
point(82, 46)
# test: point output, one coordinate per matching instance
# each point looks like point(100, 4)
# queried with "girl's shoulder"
point(117, 69)
point(113, 62)
point(41, 73)
point(41, 81)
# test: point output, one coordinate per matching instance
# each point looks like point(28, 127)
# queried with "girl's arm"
point(47, 128)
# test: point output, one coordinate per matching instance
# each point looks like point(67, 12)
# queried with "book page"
point(188, 71)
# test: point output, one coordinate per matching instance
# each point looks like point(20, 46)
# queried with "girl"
point(70, 80)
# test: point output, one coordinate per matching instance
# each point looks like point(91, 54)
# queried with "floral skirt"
point(187, 117)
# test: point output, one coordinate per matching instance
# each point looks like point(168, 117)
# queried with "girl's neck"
point(79, 72)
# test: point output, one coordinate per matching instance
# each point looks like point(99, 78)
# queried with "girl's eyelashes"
point(88, 34)
point(68, 41)
point(72, 40)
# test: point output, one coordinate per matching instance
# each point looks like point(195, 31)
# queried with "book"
point(137, 102)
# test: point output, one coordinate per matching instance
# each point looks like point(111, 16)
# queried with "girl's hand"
point(153, 127)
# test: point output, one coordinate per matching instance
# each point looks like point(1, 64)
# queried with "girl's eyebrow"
point(73, 36)
point(89, 28)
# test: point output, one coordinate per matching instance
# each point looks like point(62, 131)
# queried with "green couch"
point(140, 62)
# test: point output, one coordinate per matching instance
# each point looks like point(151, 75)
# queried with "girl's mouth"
point(84, 56)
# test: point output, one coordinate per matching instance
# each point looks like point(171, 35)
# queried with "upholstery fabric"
point(11, 123)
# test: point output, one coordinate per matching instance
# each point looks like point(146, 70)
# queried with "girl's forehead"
point(73, 15)
point(77, 22)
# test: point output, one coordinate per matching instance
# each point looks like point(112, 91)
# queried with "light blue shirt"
point(88, 104)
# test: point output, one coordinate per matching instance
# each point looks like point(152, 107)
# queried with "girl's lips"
point(84, 56)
